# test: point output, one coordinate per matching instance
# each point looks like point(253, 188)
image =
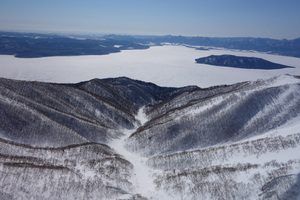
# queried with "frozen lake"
point(163, 65)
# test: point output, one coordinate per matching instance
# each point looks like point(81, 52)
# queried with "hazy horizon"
point(78, 33)
point(233, 18)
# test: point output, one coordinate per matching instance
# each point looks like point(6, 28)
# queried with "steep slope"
point(241, 142)
point(46, 114)
point(54, 135)
point(202, 118)
point(84, 171)
point(127, 139)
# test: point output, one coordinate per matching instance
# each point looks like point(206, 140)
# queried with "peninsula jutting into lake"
point(240, 62)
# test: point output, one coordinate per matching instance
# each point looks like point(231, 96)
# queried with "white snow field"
point(168, 65)
point(143, 177)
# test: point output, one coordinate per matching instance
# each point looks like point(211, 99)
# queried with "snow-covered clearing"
point(172, 66)
point(143, 177)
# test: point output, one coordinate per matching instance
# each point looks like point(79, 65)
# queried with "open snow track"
point(143, 176)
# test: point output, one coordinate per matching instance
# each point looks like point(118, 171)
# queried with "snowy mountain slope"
point(205, 118)
point(44, 114)
point(245, 167)
point(72, 172)
point(126, 139)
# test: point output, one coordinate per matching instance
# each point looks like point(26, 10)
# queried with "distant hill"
point(273, 46)
point(240, 62)
point(43, 45)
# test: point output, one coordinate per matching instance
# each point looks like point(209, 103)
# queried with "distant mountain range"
point(240, 62)
point(84, 140)
point(31, 45)
point(273, 46)
point(41, 45)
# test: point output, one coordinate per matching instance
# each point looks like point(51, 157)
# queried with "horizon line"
point(81, 33)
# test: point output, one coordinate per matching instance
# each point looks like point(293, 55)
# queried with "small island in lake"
point(240, 62)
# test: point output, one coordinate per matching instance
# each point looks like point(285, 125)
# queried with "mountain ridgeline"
point(52, 115)
point(42, 45)
point(225, 142)
point(34, 45)
point(274, 46)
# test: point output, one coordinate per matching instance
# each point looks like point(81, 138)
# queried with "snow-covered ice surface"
point(163, 65)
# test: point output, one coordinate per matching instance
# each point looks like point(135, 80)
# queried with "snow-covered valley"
point(127, 139)
point(143, 178)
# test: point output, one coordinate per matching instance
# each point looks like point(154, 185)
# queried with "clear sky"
point(215, 18)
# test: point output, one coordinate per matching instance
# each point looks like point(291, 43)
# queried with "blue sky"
point(215, 18)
